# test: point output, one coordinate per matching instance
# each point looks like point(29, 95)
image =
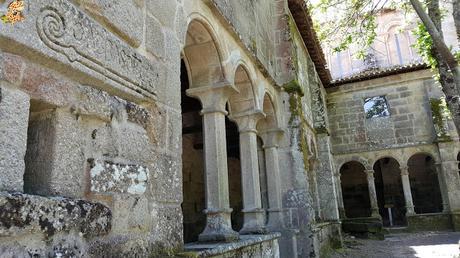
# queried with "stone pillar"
point(442, 187)
point(372, 193)
point(271, 139)
point(218, 211)
point(340, 203)
point(407, 192)
point(313, 185)
point(14, 118)
point(253, 213)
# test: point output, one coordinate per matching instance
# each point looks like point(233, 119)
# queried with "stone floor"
point(420, 245)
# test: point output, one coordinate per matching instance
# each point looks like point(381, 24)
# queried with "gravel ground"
point(420, 245)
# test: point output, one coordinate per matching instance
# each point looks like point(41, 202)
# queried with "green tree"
point(353, 22)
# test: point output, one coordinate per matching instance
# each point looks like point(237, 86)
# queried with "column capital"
point(404, 170)
point(272, 137)
point(247, 121)
point(369, 172)
point(213, 98)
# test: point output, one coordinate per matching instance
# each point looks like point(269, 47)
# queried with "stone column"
point(372, 193)
point(271, 139)
point(218, 211)
point(442, 187)
point(313, 185)
point(407, 192)
point(253, 213)
point(340, 203)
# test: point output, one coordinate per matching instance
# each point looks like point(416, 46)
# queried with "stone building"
point(211, 128)
point(158, 127)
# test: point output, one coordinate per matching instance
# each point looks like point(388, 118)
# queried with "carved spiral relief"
point(67, 30)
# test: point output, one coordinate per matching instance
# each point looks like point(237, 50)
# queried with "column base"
point(275, 220)
point(218, 227)
point(253, 222)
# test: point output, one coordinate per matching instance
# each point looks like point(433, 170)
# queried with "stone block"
point(180, 25)
point(109, 177)
point(14, 117)
point(154, 38)
point(130, 214)
point(20, 214)
point(124, 17)
point(175, 133)
point(166, 183)
point(163, 10)
point(166, 230)
point(11, 67)
point(46, 86)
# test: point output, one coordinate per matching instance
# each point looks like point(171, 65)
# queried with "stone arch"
point(202, 55)
point(355, 192)
point(425, 188)
point(358, 159)
point(425, 152)
point(271, 120)
point(389, 191)
point(244, 101)
point(398, 160)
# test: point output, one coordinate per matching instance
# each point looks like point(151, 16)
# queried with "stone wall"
point(91, 117)
point(409, 123)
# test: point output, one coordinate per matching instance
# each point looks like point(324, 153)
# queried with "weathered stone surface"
point(154, 38)
point(109, 177)
point(163, 10)
point(11, 67)
point(166, 232)
point(67, 35)
point(14, 116)
point(124, 17)
point(20, 214)
point(167, 179)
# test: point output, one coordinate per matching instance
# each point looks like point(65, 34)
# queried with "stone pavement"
point(420, 245)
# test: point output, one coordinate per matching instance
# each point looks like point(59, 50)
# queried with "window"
point(376, 107)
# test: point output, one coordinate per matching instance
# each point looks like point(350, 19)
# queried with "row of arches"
point(388, 177)
point(217, 109)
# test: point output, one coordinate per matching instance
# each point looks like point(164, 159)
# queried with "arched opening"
point(200, 67)
point(192, 164)
point(458, 166)
point(355, 190)
point(234, 174)
point(426, 193)
point(390, 194)
point(262, 173)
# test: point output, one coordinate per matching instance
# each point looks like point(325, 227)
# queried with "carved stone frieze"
point(69, 31)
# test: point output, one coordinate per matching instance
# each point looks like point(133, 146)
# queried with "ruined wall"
point(409, 123)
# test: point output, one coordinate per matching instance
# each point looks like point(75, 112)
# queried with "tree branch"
point(438, 41)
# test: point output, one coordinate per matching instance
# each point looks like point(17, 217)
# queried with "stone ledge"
point(214, 249)
point(22, 213)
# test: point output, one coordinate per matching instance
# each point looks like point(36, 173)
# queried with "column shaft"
point(253, 212)
point(275, 218)
point(372, 193)
point(218, 219)
point(407, 192)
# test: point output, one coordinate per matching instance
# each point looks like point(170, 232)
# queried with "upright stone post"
point(218, 211)
point(252, 203)
point(442, 187)
point(340, 203)
point(407, 192)
point(271, 140)
point(372, 193)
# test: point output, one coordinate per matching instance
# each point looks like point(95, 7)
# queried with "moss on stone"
point(293, 87)
point(440, 113)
